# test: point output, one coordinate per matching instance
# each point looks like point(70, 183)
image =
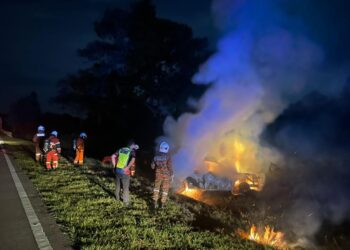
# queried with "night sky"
point(40, 38)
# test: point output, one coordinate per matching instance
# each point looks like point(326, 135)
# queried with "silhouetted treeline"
point(5, 124)
point(24, 115)
point(141, 70)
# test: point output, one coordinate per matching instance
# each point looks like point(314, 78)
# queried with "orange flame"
point(267, 237)
point(193, 193)
point(239, 149)
point(241, 152)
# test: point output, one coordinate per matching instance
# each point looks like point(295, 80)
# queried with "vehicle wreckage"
point(236, 183)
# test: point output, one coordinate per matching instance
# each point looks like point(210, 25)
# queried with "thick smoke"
point(259, 67)
point(264, 62)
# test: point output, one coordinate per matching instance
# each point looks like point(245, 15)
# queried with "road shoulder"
point(57, 239)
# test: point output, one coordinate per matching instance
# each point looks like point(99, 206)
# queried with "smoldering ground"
point(313, 136)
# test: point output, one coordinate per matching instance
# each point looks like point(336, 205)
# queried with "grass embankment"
point(82, 202)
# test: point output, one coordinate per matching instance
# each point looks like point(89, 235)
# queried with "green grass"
point(82, 203)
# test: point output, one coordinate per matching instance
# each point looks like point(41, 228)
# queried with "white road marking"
point(38, 232)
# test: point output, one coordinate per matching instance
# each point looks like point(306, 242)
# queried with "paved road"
point(15, 231)
point(24, 220)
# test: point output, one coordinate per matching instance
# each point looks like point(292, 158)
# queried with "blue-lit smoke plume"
point(259, 67)
point(264, 62)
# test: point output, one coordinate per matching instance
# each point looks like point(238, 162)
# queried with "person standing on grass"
point(52, 148)
point(39, 140)
point(164, 174)
point(124, 166)
point(79, 146)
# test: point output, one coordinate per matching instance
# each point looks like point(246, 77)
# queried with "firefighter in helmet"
point(52, 149)
point(39, 140)
point(124, 166)
point(79, 145)
point(164, 173)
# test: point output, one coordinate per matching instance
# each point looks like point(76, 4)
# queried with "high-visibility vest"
point(123, 157)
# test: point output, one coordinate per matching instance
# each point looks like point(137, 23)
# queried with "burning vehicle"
point(233, 181)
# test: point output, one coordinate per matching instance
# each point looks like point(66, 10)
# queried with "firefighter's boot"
point(162, 205)
point(155, 205)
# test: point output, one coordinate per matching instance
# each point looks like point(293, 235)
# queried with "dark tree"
point(24, 115)
point(141, 72)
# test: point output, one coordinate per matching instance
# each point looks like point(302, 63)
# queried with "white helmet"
point(164, 147)
point(83, 135)
point(54, 133)
point(134, 146)
point(41, 128)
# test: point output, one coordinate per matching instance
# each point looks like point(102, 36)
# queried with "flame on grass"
point(266, 236)
point(193, 193)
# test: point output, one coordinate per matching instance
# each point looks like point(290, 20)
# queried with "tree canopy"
point(141, 70)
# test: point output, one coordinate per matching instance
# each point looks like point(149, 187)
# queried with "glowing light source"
point(266, 236)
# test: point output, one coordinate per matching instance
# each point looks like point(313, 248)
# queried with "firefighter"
point(124, 165)
point(79, 145)
point(164, 174)
point(52, 149)
point(39, 140)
